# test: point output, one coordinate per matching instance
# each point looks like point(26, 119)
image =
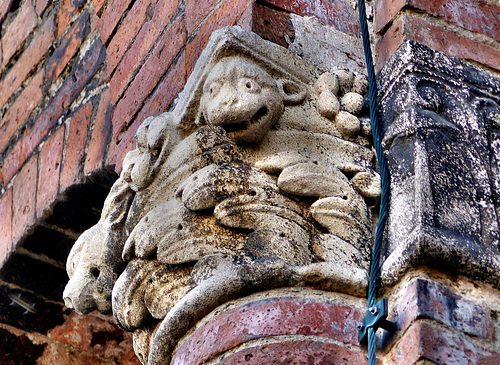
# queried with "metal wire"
point(384, 176)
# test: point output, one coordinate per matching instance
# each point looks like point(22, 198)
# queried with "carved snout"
point(78, 295)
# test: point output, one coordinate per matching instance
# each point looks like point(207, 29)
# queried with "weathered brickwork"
point(77, 77)
point(467, 29)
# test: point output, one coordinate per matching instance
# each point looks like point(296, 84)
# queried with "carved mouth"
point(235, 127)
point(241, 126)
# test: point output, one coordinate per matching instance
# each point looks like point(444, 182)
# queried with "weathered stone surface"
point(257, 179)
point(442, 135)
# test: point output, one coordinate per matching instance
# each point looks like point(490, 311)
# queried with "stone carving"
point(441, 121)
point(260, 177)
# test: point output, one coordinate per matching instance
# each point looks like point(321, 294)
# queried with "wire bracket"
point(376, 317)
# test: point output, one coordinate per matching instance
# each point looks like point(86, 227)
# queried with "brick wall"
point(467, 29)
point(77, 77)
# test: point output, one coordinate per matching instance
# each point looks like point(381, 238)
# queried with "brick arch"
point(32, 281)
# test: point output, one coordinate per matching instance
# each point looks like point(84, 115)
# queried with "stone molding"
point(262, 176)
point(441, 120)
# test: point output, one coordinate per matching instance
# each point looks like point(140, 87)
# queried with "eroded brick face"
point(277, 327)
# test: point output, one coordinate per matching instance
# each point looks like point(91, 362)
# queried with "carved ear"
point(293, 93)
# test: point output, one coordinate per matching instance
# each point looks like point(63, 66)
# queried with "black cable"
point(384, 176)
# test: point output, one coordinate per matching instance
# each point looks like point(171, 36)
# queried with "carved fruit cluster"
point(339, 98)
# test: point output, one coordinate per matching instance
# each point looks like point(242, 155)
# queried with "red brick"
point(431, 300)
point(425, 341)
point(149, 75)
point(17, 32)
point(21, 109)
point(68, 9)
point(339, 13)
point(75, 146)
point(196, 11)
point(67, 47)
point(294, 352)
point(270, 317)
point(16, 157)
point(110, 17)
point(272, 25)
point(389, 43)
point(159, 102)
point(24, 199)
point(48, 171)
point(57, 353)
point(5, 225)
point(82, 72)
point(120, 145)
point(96, 336)
point(41, 5)
point(28, 60)
point(98, 5)
point(166, 92)
point(141, 12)
point(142, 45)
point(100, 135)
point(476, 16)
point(385, 11)
point(412, 27)
point(4, 8)
point(246, 19)
point(227, 14)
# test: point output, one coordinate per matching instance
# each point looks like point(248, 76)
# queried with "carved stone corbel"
point(441, 132)
point(261, 177)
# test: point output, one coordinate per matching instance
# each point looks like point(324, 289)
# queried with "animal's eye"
point(95, 272)
point(213, 88)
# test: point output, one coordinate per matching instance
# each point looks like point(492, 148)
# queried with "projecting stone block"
point(441, 125)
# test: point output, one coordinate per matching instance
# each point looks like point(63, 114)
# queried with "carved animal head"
point(156, 137)
point(93, 269)
point(241, 97)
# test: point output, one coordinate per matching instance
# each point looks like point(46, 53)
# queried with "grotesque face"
point(91, 272)
point(155, 138)
point(242, 98)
